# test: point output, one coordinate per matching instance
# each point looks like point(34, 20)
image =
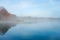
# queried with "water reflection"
point(31, 31)
point(5, 27)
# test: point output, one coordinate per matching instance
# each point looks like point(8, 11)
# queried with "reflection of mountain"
point(4, 28)
point(5, 15)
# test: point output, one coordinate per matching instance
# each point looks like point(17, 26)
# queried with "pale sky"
point(34, 8)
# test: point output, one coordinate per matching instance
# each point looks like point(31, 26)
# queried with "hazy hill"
point(5, 15)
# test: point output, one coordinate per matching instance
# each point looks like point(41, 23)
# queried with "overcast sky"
point(35, 8)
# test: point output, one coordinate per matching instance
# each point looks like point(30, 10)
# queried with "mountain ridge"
point(5, 15)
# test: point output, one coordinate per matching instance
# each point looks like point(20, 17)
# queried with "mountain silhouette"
point(5, 15)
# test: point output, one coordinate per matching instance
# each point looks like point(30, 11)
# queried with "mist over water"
point(46, 30)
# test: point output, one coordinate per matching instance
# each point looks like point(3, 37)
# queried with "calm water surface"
point(31, 31)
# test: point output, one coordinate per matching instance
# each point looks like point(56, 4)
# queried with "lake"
point(31, 31)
